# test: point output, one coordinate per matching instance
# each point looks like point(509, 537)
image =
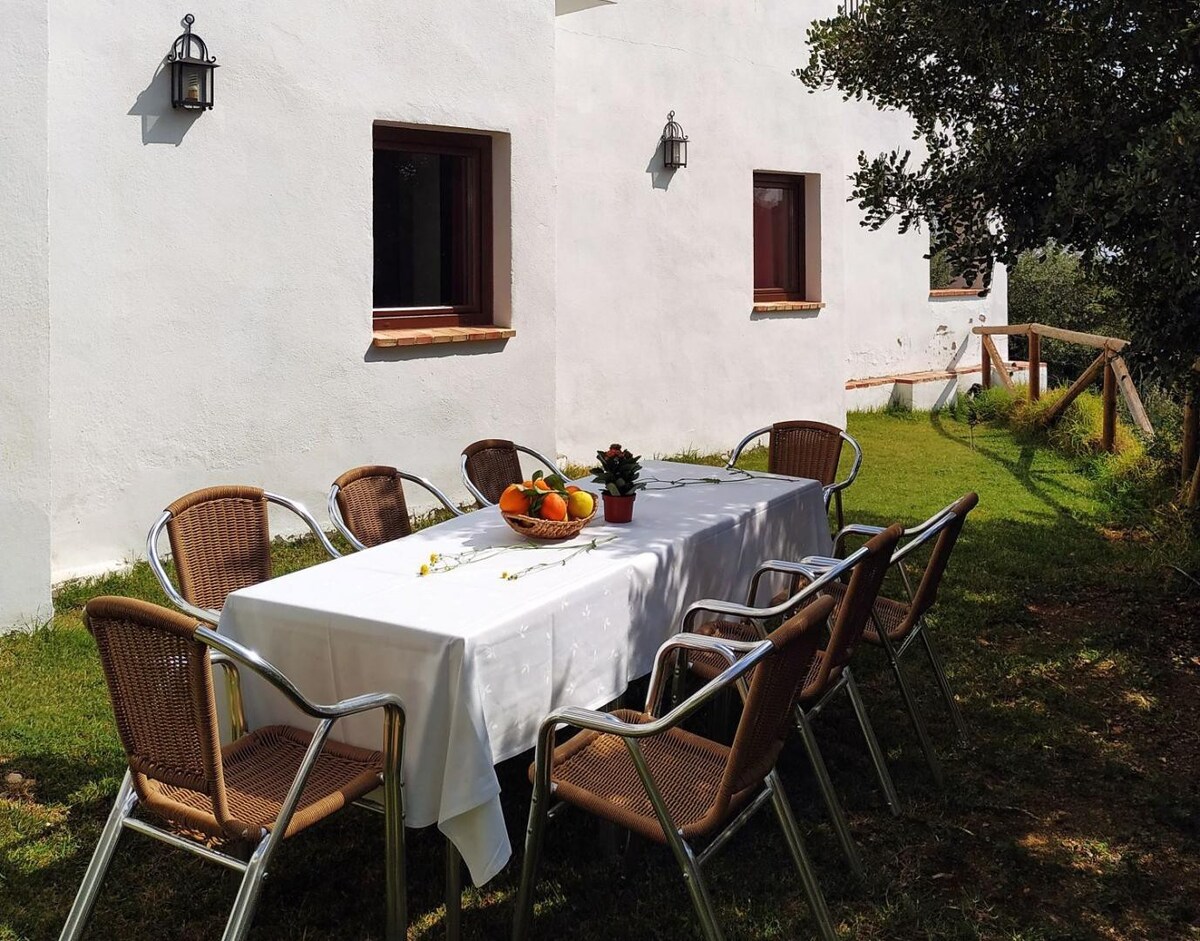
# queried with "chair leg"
point(808, 878)
point(914, 713)
point(878, 759)
point(242, 914)
point(841, 522)
point(534, 836)
point(939, 671)
point(836, 814)
point(694, 880)
point(453, 892)
point(89, 889)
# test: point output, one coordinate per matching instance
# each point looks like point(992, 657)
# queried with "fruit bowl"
point(536, 528)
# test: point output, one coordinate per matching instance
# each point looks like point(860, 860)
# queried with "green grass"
point(1073, 814)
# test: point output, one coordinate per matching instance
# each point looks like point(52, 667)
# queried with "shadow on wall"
point(162, 124)
point(660, 175)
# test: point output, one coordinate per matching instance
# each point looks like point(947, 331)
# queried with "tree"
point(1050, 286)
point(1074, 121)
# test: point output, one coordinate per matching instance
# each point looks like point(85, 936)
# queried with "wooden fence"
point(1108, 362)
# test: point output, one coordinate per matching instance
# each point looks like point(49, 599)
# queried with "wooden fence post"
point(1035, 366)
point(986, 378)
point(1191, 437)
point(1109, 434)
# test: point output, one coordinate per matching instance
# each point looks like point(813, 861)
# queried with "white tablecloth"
point(479, 660)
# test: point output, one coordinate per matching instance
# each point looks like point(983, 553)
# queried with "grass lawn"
point(1074, 813)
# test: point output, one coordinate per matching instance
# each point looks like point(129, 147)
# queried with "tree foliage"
point(1050, 286)
point(1076, 121)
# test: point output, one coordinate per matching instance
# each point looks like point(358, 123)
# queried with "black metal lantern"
point(674, 143)
point(191, 70)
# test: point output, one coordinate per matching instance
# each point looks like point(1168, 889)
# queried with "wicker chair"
point(646, 774)
point(367, 505)
point(809, 449)
point(897, 625)
point(263, 788)
point(830, 673)
point(490, 466)
point(220, 541)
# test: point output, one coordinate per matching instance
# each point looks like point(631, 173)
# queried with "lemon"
point(580, 504)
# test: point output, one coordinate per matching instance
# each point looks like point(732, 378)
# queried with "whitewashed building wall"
point(187, 300)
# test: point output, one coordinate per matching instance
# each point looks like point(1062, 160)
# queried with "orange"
point(541, 484)
point(554, 507)
point(513, 500)
point(573, 489)
point(527, 484)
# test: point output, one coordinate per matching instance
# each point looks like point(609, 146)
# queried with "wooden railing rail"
point(1108, 362)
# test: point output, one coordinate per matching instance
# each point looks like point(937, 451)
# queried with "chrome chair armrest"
point(810, 567)
point(339, 523)
point(207, 615)
point(471, 488)
point(854, 529)
point(264, 668)
point(233, 691)
point(741, 446)
point(302, 511)
point(429, 485)
point(855, 467)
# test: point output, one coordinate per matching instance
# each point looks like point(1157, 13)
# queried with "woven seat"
point(687, 787)
point(156, 668)
point(492, 465)
point(892, 616)
point(259, 768)
point(594, 771)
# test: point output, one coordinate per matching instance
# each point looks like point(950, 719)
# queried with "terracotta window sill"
point(773, 307)
point(956, 292)
point(422, 336)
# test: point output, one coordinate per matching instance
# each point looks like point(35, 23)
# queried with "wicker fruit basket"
point(536, 528)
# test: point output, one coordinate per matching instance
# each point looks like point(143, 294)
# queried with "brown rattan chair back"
point(857, 603)
point(926, 593)
point(221, 541)
point(160, 684)
point(808, 449)
point(767, 715)
point(371, 501)
point(492, 465)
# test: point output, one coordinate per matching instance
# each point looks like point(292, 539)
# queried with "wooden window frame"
point(477, 150)
point(795, 182)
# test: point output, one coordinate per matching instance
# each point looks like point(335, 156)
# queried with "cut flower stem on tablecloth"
point(440, 562)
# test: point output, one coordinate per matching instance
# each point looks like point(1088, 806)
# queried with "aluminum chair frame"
point(742, 658)
point(254, 871)
point(339, 523)
point(208, 615)
point(917, 536)
point(479, 497)
point(819, 574)
point(828, 491)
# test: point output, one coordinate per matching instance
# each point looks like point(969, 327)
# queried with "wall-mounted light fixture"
point(191, 70)
point(675, 144)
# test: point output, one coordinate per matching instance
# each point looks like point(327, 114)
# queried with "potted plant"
point(618, 471)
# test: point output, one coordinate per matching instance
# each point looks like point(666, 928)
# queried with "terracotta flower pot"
point(618, 509)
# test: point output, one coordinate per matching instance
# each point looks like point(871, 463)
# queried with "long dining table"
point(482, 632)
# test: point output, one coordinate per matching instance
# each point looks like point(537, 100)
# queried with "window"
point(779, 238)
point(432, 228)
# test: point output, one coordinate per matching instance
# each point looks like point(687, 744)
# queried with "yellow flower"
point(424, 569)
point(504, 575)
point(433, 557)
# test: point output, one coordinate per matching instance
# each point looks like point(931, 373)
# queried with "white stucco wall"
point(24, 319)
point(212, 275)
point(655, 280)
